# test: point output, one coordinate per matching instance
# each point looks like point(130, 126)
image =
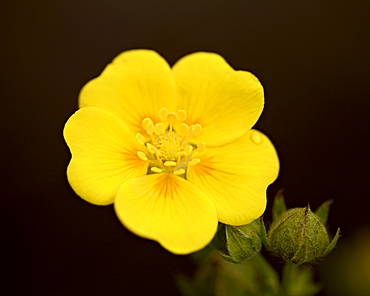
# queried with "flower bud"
point(300, 235)
point(238, 243)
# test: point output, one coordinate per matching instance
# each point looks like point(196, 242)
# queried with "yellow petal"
point(136, 85)
point(168, 209)
point(227, 103)
point(104, 154)
point(236, 177)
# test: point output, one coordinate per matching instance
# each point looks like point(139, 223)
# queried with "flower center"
point(170, 148)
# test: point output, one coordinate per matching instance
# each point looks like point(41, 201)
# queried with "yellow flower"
point(173, 149)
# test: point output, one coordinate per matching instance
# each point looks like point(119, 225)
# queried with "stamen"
point(146, 121)
point(179, 172)
point(190, 131)
point(171, 117)
point(142, 155)
point(179, 154)
point(178, 161)
point(181, 114)
point(140, 138)
point(188, 149)
point(156, 170)
point(148, 125)
point(183, 127)
point(162, 114)
point(201, 146)
point(197, 129)
point(151, 148)
point(194, 161)
point(159, 128)
point(170, 163)
point(169, 149)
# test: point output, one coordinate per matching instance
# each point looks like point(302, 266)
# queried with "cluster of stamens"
point(169, 148)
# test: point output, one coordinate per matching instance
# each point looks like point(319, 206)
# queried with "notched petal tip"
point(227, 103)
point(135, 85)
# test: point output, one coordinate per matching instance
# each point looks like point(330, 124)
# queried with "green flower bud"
point(300, 235)
point(238, 243)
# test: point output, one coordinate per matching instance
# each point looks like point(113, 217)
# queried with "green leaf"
point(298, 281)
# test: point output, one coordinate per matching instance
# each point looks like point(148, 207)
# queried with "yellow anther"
point(168, 149)
point(181, 114)
point(159, 128)
point(170, 163)
point(179, 154)
point(201, 146)
point(142, 155)
point(140, 138)
point(171, 117)
point(148, 125)
point(156, 170)
point(197, 129)
point(151, 148)
point(150, 129)
point(183, 127)
point(179, 172)
point(188, 149)
point(190, 131)
point(146, 122)
point(194, 161)
point(162, 114)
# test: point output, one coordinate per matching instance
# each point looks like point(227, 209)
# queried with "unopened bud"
point(300, 235)
point(238, 243)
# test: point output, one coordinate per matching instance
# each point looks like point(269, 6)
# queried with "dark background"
point(311, 56)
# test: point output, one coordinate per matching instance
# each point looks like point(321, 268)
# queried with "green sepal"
point(300, 256)
point(332, 244)
point(263, 234)
point(242, 242)
point(238, 243)
point(279, 207)
point(323, 211)
point(219, 241)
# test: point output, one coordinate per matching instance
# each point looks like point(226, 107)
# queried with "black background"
point(311, 56)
